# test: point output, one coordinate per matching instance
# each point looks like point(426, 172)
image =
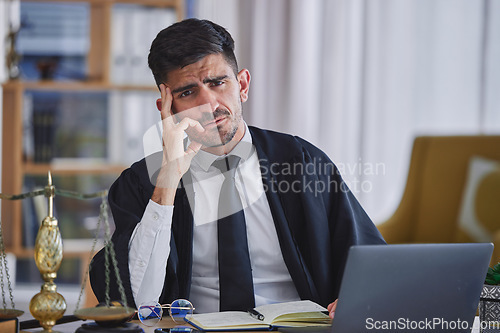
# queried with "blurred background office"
point(358, 78)
point(361, 79)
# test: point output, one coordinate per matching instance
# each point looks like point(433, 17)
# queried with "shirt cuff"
point(157, 217)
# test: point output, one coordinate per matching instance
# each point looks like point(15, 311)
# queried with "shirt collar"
point(243, 149)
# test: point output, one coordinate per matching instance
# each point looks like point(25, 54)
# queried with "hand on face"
point(217, 124)
point(176, 159)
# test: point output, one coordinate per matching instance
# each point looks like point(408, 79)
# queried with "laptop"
point(411, 287)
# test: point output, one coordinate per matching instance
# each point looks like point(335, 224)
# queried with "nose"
point(208, 97)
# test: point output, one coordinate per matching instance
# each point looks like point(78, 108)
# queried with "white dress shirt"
point(149, 245)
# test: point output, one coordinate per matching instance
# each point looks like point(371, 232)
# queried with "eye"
point(217, 83)
point(185, 93)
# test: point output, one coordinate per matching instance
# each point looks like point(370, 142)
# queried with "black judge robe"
point(317, 219)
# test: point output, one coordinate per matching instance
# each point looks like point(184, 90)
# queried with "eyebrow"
point(193, 85)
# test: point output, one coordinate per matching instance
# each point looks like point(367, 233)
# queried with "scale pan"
point(105, 313)
point(10, 313)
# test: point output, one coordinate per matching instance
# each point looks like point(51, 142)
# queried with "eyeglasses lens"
point(150, 314)
point(180, 310)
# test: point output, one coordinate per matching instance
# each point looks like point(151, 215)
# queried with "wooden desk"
point(73, 326)
point(165, 323)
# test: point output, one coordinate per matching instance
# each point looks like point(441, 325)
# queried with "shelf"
point(72, 86)
point(72, 168)
point(154, 3)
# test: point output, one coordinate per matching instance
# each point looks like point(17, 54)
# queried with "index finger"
point(166, 101)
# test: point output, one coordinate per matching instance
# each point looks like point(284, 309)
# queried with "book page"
point(271, 311)
point(299, 313)
point(225, 319)
point(303, 319)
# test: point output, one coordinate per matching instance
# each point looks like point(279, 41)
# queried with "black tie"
point(235, 271)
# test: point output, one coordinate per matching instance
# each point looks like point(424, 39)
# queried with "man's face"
point(208, 91)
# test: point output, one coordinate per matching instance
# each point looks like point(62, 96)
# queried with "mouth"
point(214, 122)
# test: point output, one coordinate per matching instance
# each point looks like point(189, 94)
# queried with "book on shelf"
point(28, 130)
point(43, 123)
point(131, 115)
point(53, 40)
point(65, 125)
point(43, 116)
point(133, 28)
point(30, 221)
point(289, 314)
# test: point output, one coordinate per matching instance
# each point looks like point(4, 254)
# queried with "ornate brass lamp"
point(48, 305)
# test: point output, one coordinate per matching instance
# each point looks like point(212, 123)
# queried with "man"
point(299, 216)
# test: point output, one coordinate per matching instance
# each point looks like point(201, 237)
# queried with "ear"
point(158, 104)
point(244, 81)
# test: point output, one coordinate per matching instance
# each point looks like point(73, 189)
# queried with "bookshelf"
point(100, 78)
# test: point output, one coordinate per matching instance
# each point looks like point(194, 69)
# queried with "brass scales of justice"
point(48, 306)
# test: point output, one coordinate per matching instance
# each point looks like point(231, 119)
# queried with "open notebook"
point(289, 314)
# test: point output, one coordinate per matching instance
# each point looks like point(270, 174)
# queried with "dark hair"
point(186, 42)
